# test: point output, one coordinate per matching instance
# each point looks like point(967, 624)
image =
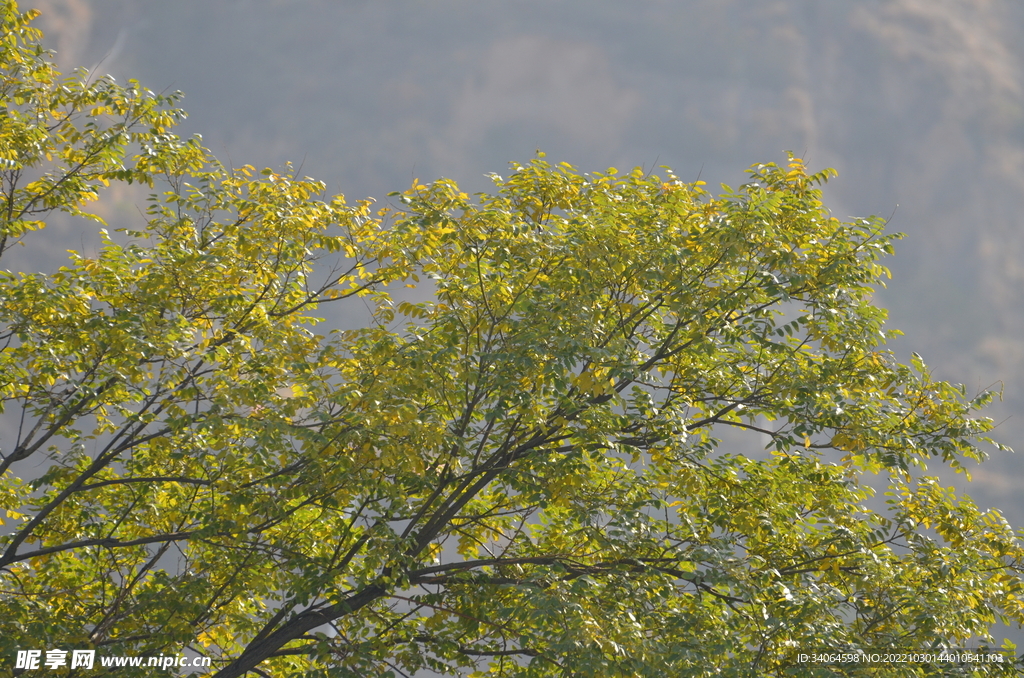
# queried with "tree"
point(520, 476)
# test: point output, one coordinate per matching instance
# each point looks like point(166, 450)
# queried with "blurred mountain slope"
point(918, 103)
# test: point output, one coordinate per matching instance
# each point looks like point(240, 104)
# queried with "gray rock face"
point(918, 103)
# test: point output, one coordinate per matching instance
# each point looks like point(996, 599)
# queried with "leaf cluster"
point(521, 476)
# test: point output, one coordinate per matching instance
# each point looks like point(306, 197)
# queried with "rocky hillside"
point(918, 103)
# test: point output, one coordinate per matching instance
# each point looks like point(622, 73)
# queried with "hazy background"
point(918, 103)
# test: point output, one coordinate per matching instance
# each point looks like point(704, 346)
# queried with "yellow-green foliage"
point(518, 477)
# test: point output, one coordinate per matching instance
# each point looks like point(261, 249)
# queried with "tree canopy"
point(514, 469)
